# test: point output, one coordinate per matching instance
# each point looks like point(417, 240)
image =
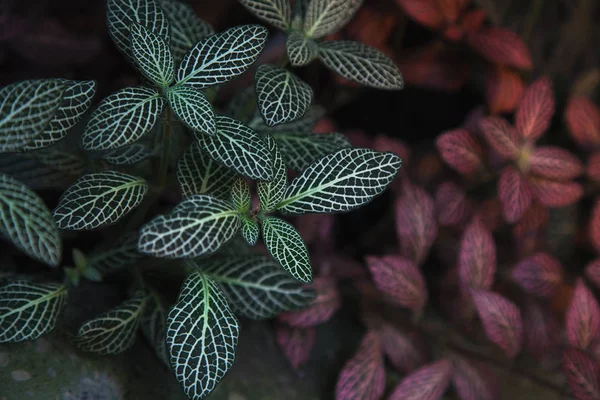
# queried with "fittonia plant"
point(140, 139)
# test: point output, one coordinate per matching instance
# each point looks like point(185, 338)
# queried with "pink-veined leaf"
point(490, 213)
point(501, 136)
point(541, 330)
point(473, 20)
point(453, 207)
point(583, 374)
point(583, 317)
point(535, 109)
point(427, 383)
point(325, 304)
point(363, 376)
point(515, 194)
point(425, 12)
point(555, 163)
point(460, 150)
point(473, 381)
point(296, 343)
point(583, 121)
point(501, 320)
point(540, 274)
point(477, 257)
point(406, 352)
point(501, 46)
point(593, 167)
point(555, 194)
point(592, 272)
point(594, 226)
point(503, 89)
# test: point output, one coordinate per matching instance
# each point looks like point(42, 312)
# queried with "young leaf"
point(427, 383)
point(363, 376)
point(460, 150)
point(477, 259)
point(451, 203)
point(128, 155)
point(193, 108)
point(250, 231)
point(501, 136)
point(240, 195)
point(501, 46)
point(152, 55)
point(27, 223)
point(341, 181)
point(296, 343)
point(219, 58)
point(324, 17)
point(583, 317)
point(555, 194)
point(583, 374)
point(29, 310)
point(515, 194)
point(473, 381)
point(360, 63)
point(540, 274)
point(154, 325)
point(405, 352)
point(202, 336)
point(199, 225)
point(286, 246)
point(271, 193)
point(320, 310)
point(535, 109)
point(300, 49)
point(275, 12)
point(555, 163)
point(114, 331)
point(123, 252)
point(122, 118)
point(282, 96)
point(299, 150)
point(583, 120)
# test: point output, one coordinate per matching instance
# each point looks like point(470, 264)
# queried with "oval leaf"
point(583, 120)
point(300, 49)
point(583, 374)
point(501, 136)
point(320, 310)
point(583, 317)
point(503, 89)
point(451, 203)
point(477, 258)
point(515, 194)
point(296, 343)
point(555, 163)
point(193, 108)
point(460, 150)
point(299, 150)
point(555, 194)
point(539, 275)
point(275, 12)
point(240, 195)
point(250, 231)
point(323, 17)
point(501, 46)
point(427, 383)
point(535, 109)
point(405, 352)
point(152, 55)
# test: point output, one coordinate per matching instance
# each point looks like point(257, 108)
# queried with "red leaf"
point(361, 27)
point(435, 68)
point(515, 194)
point(460, 150)
point(593, 167)
point(296, 343)
point(583, 120)
point(540, 274)
point(501, 136)
point(594, 227)
point(503, 89)
point(583, 317)
point(592, 272)
point(400, 279)
point(425, 12)
point(473, 381)
point(363, 376)
point(555, 194)
point(541, 330)
point(583, 374)
point(427, 383)
point(555, 163)
point(477, 258)
point(501, 46)
point(535, 109)
point(452, 205)
point(405, 352)
point(473, 20)
point(501, 320)
point(320, 309)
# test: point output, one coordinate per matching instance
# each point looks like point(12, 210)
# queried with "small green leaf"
point(300, 49)
point(152, 55)
point(250, 231)
point(324, 17)
point(91, 274)
point(275, 12)
point(28, 310)
point(299, 150)
point(122, 118)
point(99, 199)
point(287, 247)
point(282, 96)
point(122, 253)
point(271, 193)
point(154, 325)
point(191, 106)
point(128, 155)
point(202, 336)
point(240, 195)
point(341, 181)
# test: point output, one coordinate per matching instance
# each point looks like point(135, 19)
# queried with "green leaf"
point(304, 124)
point(250, 231)
point(300, 49)
point(99, 199)
point(275, 12)
point(286, 246)
point(219, 58)
point(361, 63)
point(341, 181)
point(299, 150)
point(128, 155)
point(114, 331)
point(152, 55)
point(25, 109)
point(122, 253)
point(198, 225)
point(240, 195)
point(271, 193)
point(282, 96)
point(324, 17)
point(238, 147)
point(122, 118)
point(28, 310)
point(193, 108)
point(202, 336)
point(27, 223)
point(154, 325)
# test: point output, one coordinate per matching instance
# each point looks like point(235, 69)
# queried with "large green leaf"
point(341, 181)
point(256, 286)
point(154, 325)
point(198, 225)
point(120, 254)
point(361, 63)
point(128, 155)
point(300, 49)
point(299, 150)
point(202, 336)
point(114, 331)
point(238, 147)
point(250, 231)
point(26, 108)
point(99, 199)
point(271, 193)
point(284, 243)
point(324, 17)
point(282, 96)
point(275, 12)
point(219, 58)
point(193, 108)
point(241, 198)
point(27, 223)
point(28, 310)
point(122, 118)
point(152, 55)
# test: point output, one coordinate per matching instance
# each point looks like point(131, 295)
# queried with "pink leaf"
point(405, 352)
point(427, 383)
point(425, 12)
point(473, 381)
point(583, 120)
point(592, 272)
point(473, 21)
point(363, 376)
point(583, 374)
point(501, 136)
point(296, 343)
point(451, 9)
point(477, 258)
point(501, 46)
point(535, 109)
point(452, 205)
point(583, 317)
point(594, 226)
point(400, 279)
point(541, 330)
point(325, 304)
point(593, 167)
point(555, 163)
point(501, 320)
point(460, 150)
point(503, 89)
point(514, 192)
point(540, 274)
point(555, 194)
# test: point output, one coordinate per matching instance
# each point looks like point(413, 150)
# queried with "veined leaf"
point(198, 173)
point(128, 155)
point(554, 162)
point(515, 194)
point(340, 182)
point(25, 109)
point(501, 136)
point(152, 55)
point(114, 331)
point(275, 12)
point(299, 150)
point(238, 147)
point(535, 110)
point(123, 252)
point(99, 199)
point(405, 351)
point(477, 256)
point(286, 246)
point(361, 63)
point(72, 163)
point(28, 310)
point(324, 17)
point(202, 336)
point(221, 57)
point(33, 173)
point(27, 223)
point(296, 343)
point(583, 317)
point(582, 117)
point(154, 325)
point(240, 195)
point(271, 193)
point(300, 49)
point(460, 149)
point(583, 374)
point(452, 205)
point(282, 96)
point(427, 383)
point(198, 225)
point(302, 125)
point(250, 231)
point(540, 275)
point(193, 108)
point(501, 46)
point(122, 118)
